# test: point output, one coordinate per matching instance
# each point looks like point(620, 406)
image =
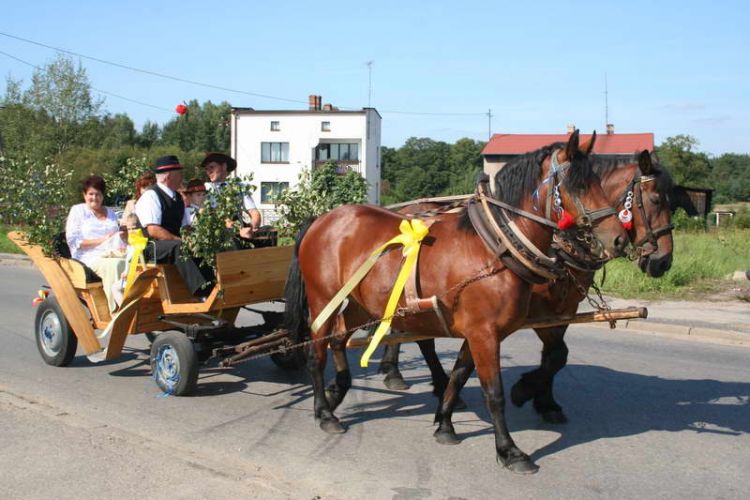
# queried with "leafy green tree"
point(149, 135)
point(316, 194)
point(205, 127)
point(688, 167)
point(731, 178)
point(62, 90)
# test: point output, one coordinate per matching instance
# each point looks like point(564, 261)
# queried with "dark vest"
point(172, 211)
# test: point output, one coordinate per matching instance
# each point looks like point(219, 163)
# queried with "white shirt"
point(247, 200)
point(148, 207)
point(82, 224)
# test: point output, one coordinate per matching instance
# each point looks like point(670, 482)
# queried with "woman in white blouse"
point(94, 237)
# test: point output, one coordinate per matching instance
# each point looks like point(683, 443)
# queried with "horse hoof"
point(519, 464)
point(518, 396)
point(446, 437)
point(523, 467)
point(554, 417)
point(395, 382)
point(332, 426)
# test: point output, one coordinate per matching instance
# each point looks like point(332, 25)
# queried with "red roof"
point(517, 144)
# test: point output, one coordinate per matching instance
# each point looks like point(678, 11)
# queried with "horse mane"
point(604, 167)
point(520, 177)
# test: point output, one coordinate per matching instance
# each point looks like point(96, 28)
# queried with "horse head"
point(580, 201)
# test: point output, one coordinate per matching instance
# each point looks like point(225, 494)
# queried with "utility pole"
point(489, 124)
point(369, 83)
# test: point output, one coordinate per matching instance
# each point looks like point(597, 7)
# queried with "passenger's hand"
point(229, 223)
point(246, 232)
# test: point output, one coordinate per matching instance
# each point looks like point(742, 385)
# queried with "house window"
point(337, 151)
point(270, 191)
point(275, 127)
point(325, 126)
point(274, 152)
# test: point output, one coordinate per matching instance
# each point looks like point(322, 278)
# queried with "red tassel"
point(566, 221)
point(628, 225)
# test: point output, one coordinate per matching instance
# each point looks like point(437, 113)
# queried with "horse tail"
point(296, 310)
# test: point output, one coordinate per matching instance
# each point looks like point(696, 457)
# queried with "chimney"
point(327, 107)
point(571, 128)
point(314, 102)
point(610, 129)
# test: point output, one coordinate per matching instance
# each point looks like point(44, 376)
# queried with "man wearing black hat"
point(218, 166)
point(161, 211)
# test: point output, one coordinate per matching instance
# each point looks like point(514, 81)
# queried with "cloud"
point(712, 120)
point(684, 107)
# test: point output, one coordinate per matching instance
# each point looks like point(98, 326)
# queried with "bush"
point(316, 194)
point(683, 222)
point(36, 198)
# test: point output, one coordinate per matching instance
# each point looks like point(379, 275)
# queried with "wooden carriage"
point(158, 301)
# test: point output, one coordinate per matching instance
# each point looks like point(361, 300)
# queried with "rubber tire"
point(151, 336)
point(50, 310)
point(182, 378)
point(291, 360)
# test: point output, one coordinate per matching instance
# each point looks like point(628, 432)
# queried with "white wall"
point(303, 133)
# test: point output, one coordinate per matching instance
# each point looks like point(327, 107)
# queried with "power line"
point(111, 94)
point(149, 72)
point(210, 85)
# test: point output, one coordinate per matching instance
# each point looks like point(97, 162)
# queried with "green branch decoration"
point(36, 201)
point(209, 234)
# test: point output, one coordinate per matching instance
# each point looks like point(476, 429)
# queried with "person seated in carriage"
point(93, 235)
point(161, 212)
point(218, 166)
point(194, 196)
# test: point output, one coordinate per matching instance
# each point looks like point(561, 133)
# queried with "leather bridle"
point(652, 236)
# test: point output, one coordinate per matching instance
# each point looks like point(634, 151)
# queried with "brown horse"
point(650, 187)
point(481, 298)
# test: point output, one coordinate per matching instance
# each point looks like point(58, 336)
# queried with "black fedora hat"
point(220, 158)
point(166, 164)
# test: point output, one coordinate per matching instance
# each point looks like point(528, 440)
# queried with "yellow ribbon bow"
point(138, 241)
point(412, 234)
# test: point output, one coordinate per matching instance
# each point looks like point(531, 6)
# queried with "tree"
point(63, 92)
point(731, 178)
point(316, 194)
point(688, 167)
point(203, 128)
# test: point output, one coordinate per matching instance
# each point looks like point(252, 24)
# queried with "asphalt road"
point(649, 417)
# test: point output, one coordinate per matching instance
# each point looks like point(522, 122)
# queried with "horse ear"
point(588, 146)
point(572, 146)
point(644, 162)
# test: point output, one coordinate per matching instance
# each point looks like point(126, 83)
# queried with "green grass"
point(701, 264)
point(7, 246)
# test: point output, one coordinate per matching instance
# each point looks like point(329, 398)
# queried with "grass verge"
point(701, 264)
point(7, 246)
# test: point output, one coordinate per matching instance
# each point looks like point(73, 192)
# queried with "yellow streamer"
point(138, 241)
point(412, 234)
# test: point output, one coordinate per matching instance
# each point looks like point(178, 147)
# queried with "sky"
point(438, 67)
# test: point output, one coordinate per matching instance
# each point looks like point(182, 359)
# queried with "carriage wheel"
point(151, 336)
point(54, 338)
point(174, 363)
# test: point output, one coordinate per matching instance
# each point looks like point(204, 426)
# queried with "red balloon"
point(181, 109)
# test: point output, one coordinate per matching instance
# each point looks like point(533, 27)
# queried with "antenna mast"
point(369, 83)
point(606, 102)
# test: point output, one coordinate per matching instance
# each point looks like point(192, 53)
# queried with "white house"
point(275, 145)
